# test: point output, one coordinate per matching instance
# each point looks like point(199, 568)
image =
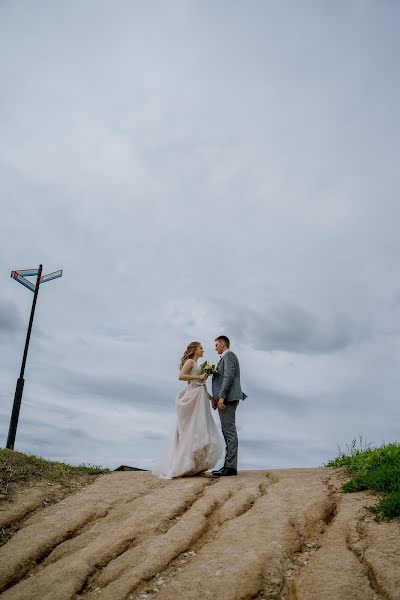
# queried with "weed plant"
point(375, 469)
point(16, 467)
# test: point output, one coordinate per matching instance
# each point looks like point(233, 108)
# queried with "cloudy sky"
point(199, 168)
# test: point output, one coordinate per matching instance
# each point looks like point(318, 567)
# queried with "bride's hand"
point(203, 377)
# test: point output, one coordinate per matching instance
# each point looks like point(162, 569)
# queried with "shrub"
point(17, 468)
point(373, 469)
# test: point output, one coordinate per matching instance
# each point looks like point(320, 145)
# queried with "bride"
point(196, 444)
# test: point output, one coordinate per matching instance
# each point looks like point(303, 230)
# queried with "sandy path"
point(282, 534)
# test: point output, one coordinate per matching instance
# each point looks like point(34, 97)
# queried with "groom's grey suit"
point(226, 384)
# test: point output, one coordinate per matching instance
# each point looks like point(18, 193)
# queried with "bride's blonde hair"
point(189, 353)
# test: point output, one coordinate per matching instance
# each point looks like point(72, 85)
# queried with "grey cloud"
point(288, 327)
point(259, 199)
point(267, 454)
point(11, 322)
point(152, 436)
point(50, 437)
point(277, 400)
point(118, 334)
point(122, 390)
point(285, 446)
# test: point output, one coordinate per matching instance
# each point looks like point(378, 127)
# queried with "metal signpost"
point(20, 276)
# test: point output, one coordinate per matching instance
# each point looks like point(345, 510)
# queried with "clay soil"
point(280, 534)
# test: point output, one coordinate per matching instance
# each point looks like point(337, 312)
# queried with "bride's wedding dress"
point(196, 444)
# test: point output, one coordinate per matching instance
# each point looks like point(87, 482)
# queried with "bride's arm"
point(184, 374)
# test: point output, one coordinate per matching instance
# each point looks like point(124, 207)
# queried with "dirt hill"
point(280, 534)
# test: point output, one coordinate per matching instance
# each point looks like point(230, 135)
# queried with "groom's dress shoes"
point(225, 472)
point(218, 470)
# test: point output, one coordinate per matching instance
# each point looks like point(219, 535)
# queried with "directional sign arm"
point(27, 272)
point(18, 277)
point(51, 276)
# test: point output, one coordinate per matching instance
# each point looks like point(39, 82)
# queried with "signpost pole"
point(20, 382)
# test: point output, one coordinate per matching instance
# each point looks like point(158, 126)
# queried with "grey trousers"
point(228, 425)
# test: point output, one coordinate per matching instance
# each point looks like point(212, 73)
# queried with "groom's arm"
point(229, 374)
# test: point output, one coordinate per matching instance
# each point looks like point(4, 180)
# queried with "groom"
point(226, 393)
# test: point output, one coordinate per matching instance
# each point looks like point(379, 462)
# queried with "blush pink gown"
point(196, 443)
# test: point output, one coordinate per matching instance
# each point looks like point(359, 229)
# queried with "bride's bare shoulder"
point(188, 364)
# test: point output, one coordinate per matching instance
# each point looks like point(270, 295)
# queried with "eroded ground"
point(282, 534)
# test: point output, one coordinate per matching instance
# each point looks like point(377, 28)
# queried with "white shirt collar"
point(224, 352)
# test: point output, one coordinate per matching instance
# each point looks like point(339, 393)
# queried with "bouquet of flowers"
point(208, 368)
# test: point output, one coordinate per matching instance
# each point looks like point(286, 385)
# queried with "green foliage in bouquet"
point(208, 368)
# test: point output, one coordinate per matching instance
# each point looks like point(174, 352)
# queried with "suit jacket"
point(226, 383)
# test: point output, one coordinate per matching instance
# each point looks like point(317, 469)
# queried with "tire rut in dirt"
point(333, 570)
point(149, 512)
point(163, 557)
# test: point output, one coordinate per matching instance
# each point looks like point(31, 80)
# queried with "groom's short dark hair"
point(224, 339)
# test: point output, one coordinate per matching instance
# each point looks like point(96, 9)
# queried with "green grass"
point(375, 469)
point(18, 468)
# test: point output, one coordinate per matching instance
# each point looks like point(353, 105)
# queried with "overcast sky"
point(200, 168)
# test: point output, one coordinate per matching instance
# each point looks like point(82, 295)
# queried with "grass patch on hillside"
point(375, 469)
point(18, 468)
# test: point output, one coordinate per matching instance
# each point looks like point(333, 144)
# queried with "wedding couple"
point(196, 444)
